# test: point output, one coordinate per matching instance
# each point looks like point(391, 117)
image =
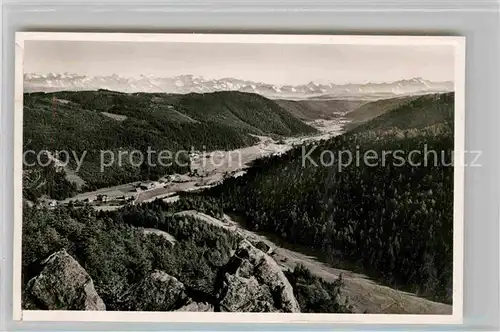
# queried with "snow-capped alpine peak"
point(192, 83)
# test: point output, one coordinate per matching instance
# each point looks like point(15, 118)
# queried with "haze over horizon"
point(263, 63)
point(230, 78)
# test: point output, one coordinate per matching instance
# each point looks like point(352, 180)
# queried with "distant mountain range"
point(190, 83)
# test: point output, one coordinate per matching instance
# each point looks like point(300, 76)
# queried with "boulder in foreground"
point(63, 284)
point(159, 292)
point(254, 282)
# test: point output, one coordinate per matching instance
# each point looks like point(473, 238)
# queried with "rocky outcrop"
point(63, 284)
point(254, 282)
point(197, 307)
point(159, 292)
point(246, 295)
point(261, 245)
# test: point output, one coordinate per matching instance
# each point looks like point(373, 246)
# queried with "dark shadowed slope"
point(373, 109)
point(247, 111)
point(414, 113)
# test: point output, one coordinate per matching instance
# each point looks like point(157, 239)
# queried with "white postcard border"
point(283, 318)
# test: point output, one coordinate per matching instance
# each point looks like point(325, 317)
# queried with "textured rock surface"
point(63, 284)
point(197, 306)
point(254, 282)
point(246, 295)
point(261, 245)
point(159, 292)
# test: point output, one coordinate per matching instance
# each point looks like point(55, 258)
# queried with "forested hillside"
point(94, 121)
point(373, 109)
point(312, 109)
point(415, 113)
point(388, 216)
point(119, 255)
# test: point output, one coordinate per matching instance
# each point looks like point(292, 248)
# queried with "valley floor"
point(207, 169)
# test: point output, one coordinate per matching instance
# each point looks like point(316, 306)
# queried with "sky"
point(269, 63)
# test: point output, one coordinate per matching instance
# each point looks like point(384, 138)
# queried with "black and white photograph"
point(299, 176)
